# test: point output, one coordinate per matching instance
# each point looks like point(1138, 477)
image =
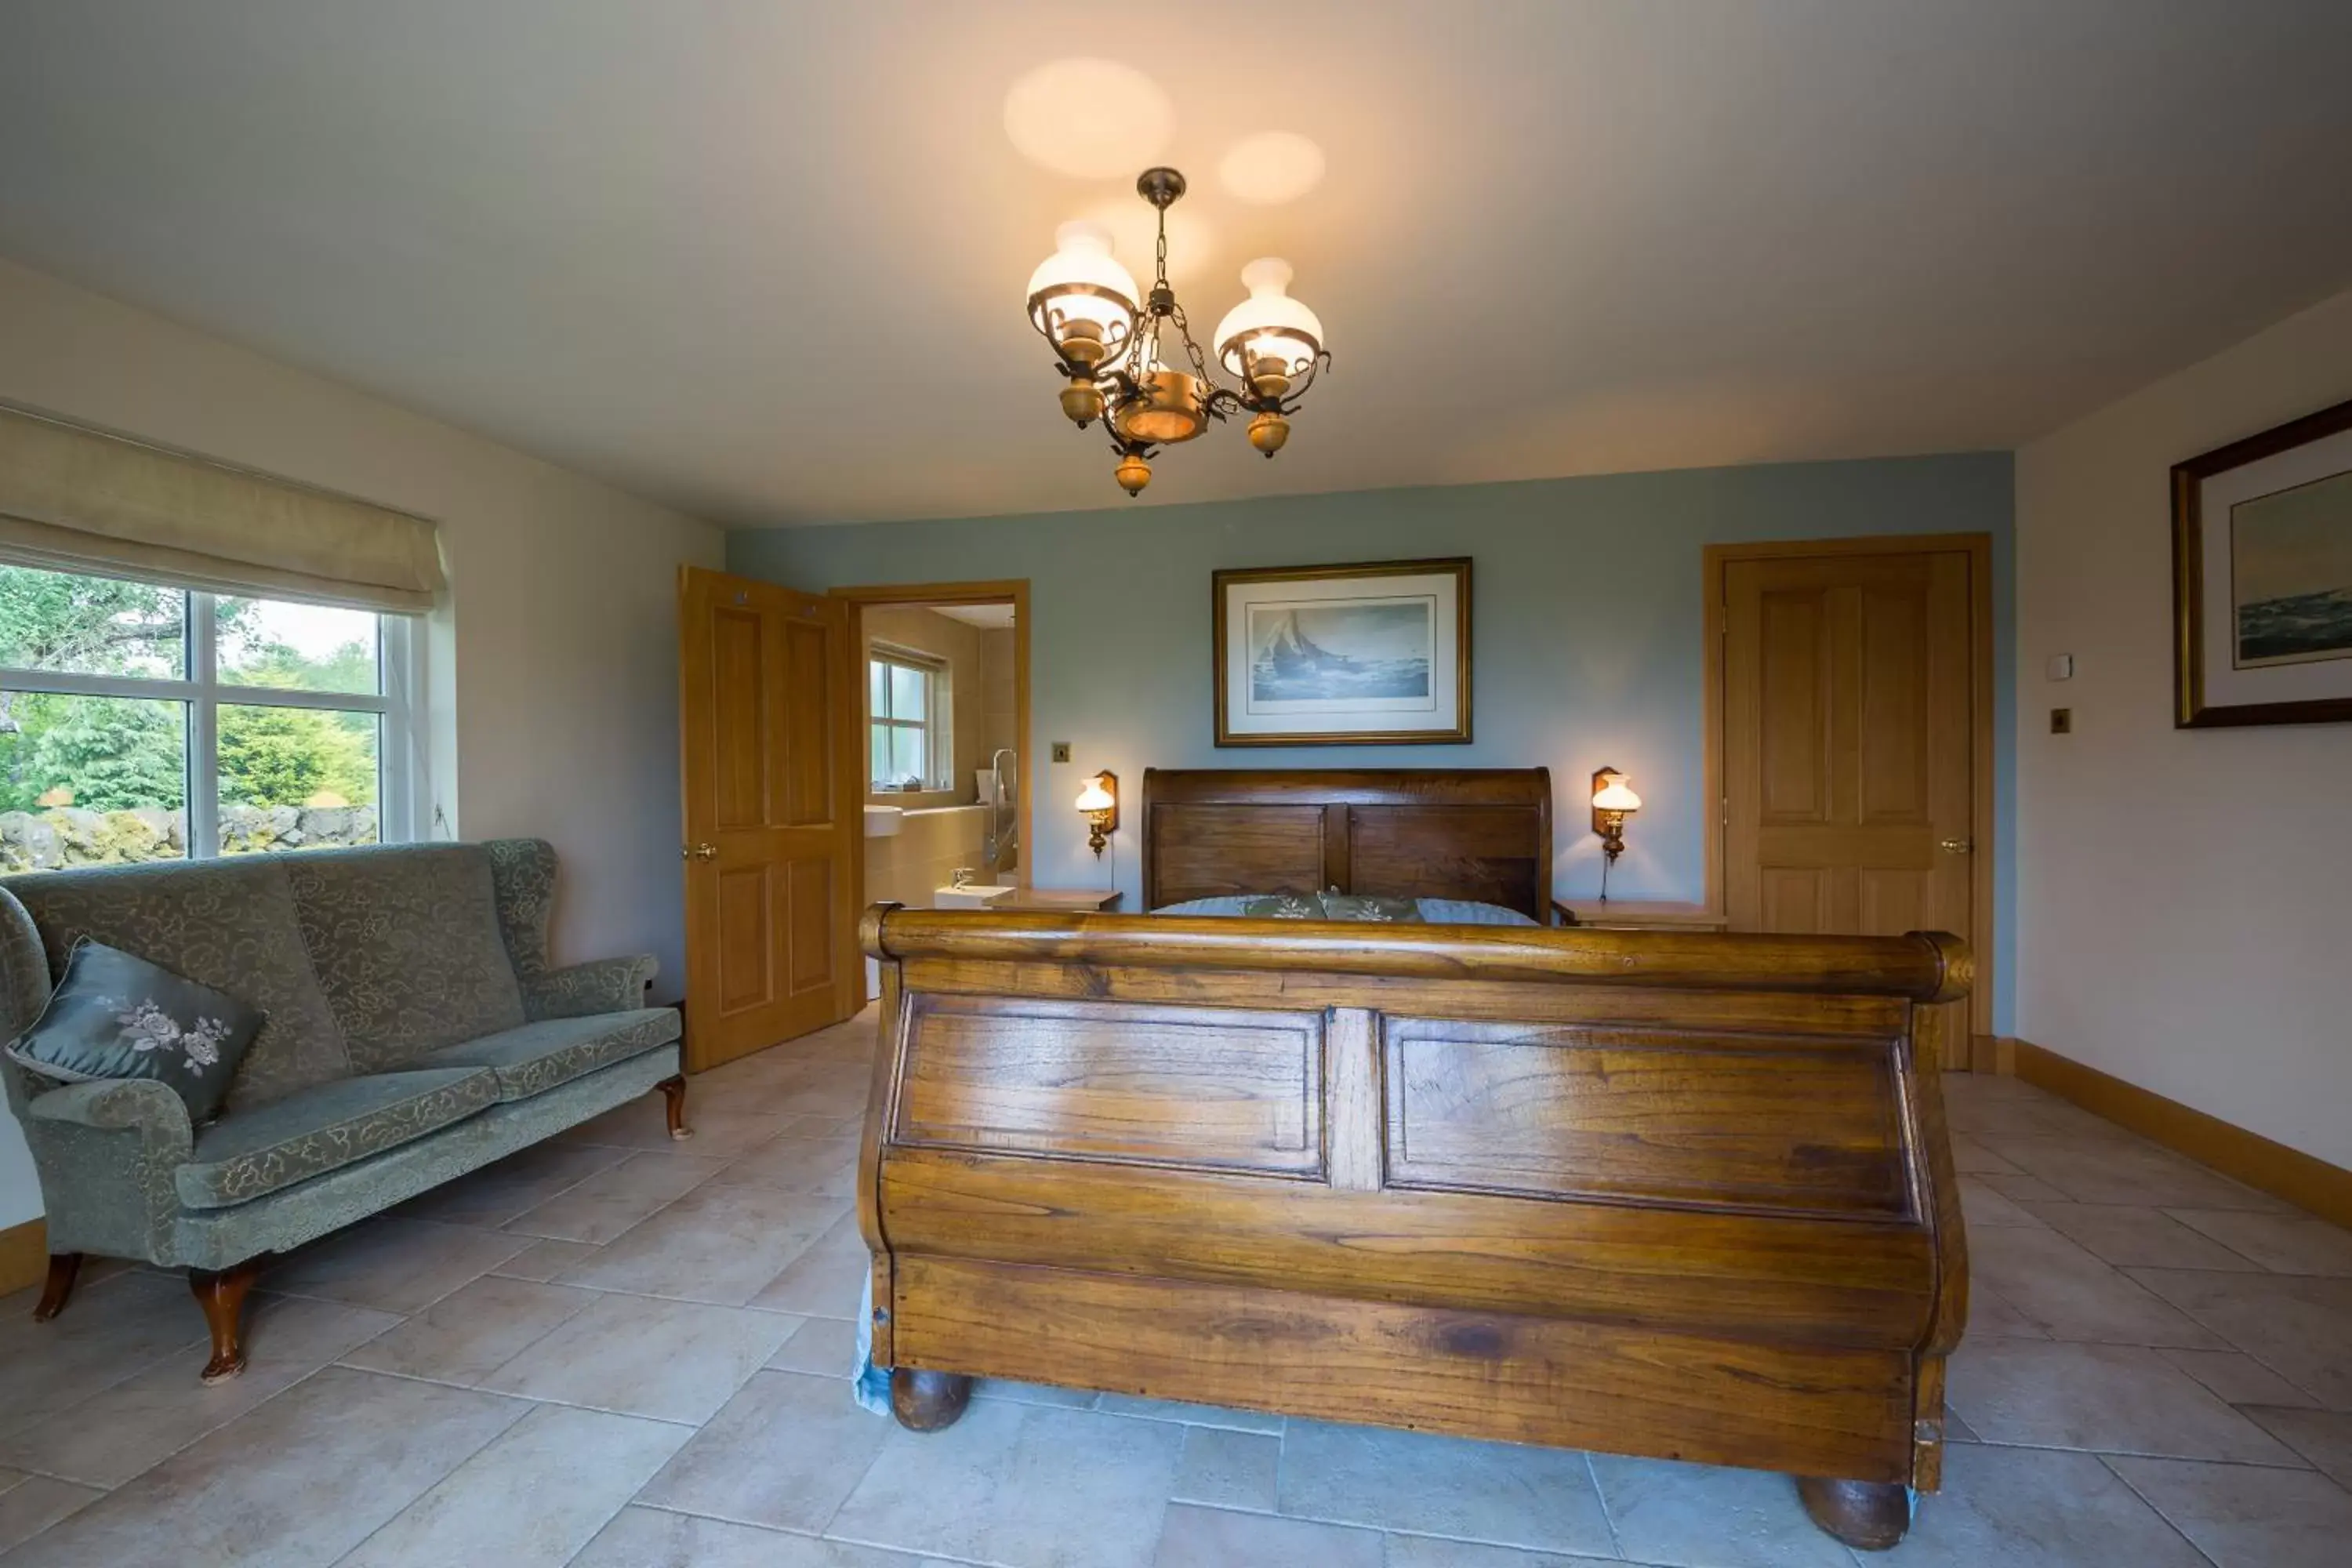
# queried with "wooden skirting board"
point(2301, 1180)
point(24, 1255)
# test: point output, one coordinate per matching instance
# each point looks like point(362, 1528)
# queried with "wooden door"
point(1849, 770)
point(773, 813)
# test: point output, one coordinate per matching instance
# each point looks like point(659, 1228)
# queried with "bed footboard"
point(1682, 1196)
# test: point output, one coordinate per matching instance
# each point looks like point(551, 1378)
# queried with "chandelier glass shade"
point(1112, 341)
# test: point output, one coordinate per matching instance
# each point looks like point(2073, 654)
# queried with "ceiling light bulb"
point(1269, 330)
point(1081, 297)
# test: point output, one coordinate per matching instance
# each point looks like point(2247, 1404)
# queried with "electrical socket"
point(1061, 751)
point(2062, 720)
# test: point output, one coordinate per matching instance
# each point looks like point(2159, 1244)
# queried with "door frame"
point(1981, 827)
point(1016, 589)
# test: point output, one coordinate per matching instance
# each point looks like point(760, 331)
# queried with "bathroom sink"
point(971, 896)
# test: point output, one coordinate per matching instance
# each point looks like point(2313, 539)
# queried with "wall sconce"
point(1612, 802)
point(1099, 802)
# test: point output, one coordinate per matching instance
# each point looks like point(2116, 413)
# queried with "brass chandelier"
point(1108, 338)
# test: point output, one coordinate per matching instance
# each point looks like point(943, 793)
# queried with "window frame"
point(933, 727)
point(397, 703)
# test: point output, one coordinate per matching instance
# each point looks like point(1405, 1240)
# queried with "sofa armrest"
point(600, 985)
point(106, 1153)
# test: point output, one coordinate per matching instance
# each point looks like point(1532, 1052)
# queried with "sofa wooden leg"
point(1869, 1516)
point(65, 1267)
point(674, 1101)
point(222, 1295)
point(928, 1400)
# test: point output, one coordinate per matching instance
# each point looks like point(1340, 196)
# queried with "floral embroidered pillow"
point(116, 1016)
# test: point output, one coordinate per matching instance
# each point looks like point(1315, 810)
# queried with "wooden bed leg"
point(65, 1267)
point(674, 1103)
point(222, 1295)
point(928, 1400)
point(1869, 1516)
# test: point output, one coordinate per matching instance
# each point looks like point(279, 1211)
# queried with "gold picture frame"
point(1367, 653)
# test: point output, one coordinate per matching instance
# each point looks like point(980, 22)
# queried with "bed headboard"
point(1437, 833)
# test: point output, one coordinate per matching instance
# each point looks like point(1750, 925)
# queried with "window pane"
point(878, 690)
point(296, 778)
point(906, 755)
point(881, 760)
point(90, 626)
point(907, 692)
point(90, 781)
point(302, 648)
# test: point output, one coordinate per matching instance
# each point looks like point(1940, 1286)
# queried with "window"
point(142, 722)
point(906, 703)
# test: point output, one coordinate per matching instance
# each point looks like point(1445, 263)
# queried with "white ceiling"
point(766, 259)
point(991, 617)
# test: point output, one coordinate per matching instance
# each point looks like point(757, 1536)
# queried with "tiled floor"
point(618, 1351)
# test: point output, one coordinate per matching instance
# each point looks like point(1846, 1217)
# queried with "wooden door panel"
point(770, 824)
point(1891, 725)
point(1793, 673)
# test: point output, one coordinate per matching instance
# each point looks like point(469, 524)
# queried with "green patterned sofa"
point(415, 1032)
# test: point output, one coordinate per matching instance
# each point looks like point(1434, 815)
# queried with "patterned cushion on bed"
point(1354, 907)
point(1470, 912)
point(1284, 907)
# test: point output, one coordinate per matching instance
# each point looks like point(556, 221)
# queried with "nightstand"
point(1633, 914)
point(1071, 901)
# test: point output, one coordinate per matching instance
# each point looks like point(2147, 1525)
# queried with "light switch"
point(2061, 666)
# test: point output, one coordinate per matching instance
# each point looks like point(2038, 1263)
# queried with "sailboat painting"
point(1363, 653)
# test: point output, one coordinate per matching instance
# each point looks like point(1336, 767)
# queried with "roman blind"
point(75, 500)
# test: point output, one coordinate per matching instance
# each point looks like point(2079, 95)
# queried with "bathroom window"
point(906, 701)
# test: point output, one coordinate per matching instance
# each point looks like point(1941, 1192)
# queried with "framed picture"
point(1371, 653)
point(2261, 577)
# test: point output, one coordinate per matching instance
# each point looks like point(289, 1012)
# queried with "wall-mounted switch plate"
point(1061, 751)
point(2061, 666)
point(2062, 720)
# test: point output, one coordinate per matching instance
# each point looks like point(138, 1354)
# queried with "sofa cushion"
point(536, 1057)
point(406, 942)
point(240, 1157)
point(115, 1015)
point(229, 923)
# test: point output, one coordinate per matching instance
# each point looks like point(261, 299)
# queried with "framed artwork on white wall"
point(2261, 577)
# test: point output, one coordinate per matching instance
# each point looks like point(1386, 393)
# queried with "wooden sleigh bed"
point(1679, 1194)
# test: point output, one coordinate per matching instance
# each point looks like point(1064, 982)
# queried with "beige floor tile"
point(1970, 1158)
point(472, 1331)
point(2071, 1295)
point(36, 1502)
point(716, 1244)
point(2300, 1328)
point(1425, 1485)
point(2102, 1172)
point(2237, 1378)
point(1196, 1537)
point(2024, 1507)
point(392, 1265)
point(539, 1492)
point(609, 1203)
point(671, 1360)
point(2322, 1437)
point(1435, 1552)
point(1709, 1517)
point(2129, 1235)
point(784, 1453)
point(719, 1133)
point(1224, 1468)
point(651, 1538)
point(1991, 1317)
point(298, 1481)
point(2020, 1188)
point(791, 1165)
point(828, 1280)
point(108, 1332)
point(1982, 1206)
point(2114, 1399)
point(545, 1260)
point(1033, 1393)
point(2243, 1518)
point(1188, 1415)
point(2284, 1244)
point(826, 1347)
point(143, 1420)
point(496, 1194)
point(1026, 1484)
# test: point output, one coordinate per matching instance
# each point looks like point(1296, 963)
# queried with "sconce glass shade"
point(1082, 299)
point(1269, 325)
point(1094, 797)
point(1615, 796)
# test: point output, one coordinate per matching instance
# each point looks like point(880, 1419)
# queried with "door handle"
point(1955, 845)
point(699, 852)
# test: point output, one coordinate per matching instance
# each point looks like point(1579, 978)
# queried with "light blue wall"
point(1586, 643)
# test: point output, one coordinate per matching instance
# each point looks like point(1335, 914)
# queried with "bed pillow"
point(116, 1016)
point(1363, 907)
point(1284, 907)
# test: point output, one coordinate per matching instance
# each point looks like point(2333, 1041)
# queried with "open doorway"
point(943, 724)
